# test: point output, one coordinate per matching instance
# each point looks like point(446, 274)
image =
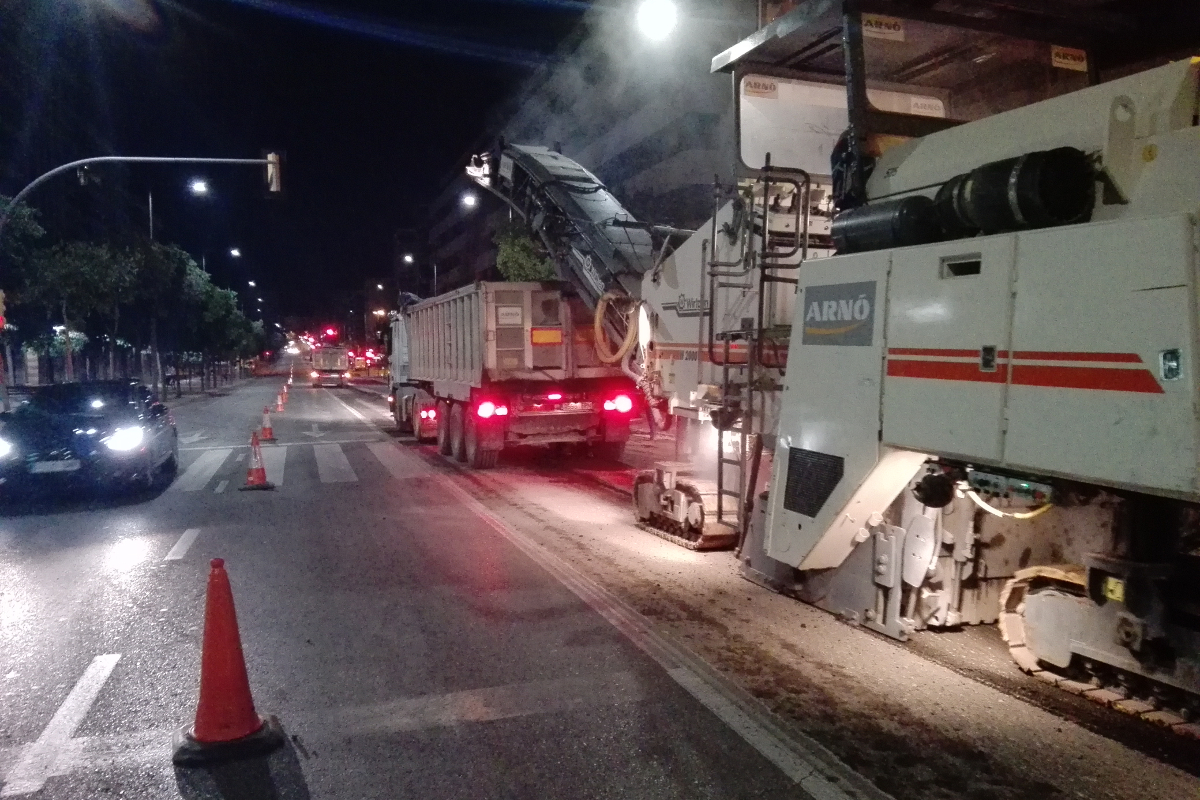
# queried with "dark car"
point(103, 433)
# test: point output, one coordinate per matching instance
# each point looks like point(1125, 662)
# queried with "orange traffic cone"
point(227, 726)
point(267, 435)
point(279, 403)
point(256, 475)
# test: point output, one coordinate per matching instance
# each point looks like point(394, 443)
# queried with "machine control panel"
point(990, 484)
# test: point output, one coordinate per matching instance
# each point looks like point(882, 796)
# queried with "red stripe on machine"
point(946, 371)
point(1100, 378)
point(931, 351)
point(1112, 358)
point(1107, 379)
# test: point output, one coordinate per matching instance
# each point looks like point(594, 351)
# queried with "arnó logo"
point(758, 86)
point(840, 314)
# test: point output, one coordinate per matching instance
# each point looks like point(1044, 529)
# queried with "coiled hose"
point(600, 336)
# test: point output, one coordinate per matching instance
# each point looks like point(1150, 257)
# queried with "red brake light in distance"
point(555, 396)
point(501, 411)
point(315, 375)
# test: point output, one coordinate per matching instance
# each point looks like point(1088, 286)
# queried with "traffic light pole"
point(271, 162)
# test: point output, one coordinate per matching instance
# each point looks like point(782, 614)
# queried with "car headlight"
point(125, 438)
point(6, 448)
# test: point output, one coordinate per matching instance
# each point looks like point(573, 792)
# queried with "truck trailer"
point(497, 365)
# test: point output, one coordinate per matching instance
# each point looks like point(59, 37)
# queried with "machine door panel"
point(828, 438)
point(947, 342)
point(1103, 370)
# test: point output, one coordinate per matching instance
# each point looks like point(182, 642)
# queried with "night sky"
point(374, 103)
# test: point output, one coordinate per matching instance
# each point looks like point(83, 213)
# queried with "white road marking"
point(273, 459)
point(349, 408)
point(332, 465)
point(241, 457)
point(37, 764)
point(197, 476)
point(552, 696)
point(220, 487)
point(185, 541)
point(802, 759)
point(402, 464)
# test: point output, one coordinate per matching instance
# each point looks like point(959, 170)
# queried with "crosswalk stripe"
point(332, 465)
point(402, 465)
point(197, 476)
point(273, 459)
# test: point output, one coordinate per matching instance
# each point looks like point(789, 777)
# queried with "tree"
point(17, 241)
point(63, 279)
point(519, 258)
point(159, 276)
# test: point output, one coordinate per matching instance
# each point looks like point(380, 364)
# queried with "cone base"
point(187, 752)
point(261, 487)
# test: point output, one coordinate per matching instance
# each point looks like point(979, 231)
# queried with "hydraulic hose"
point(1031, 514)
point(601, 337)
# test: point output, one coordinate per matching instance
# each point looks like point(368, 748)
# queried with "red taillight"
point(488, 409)
point(622, 404)
point(428, 413)
point(316, 375)
point(555, 396)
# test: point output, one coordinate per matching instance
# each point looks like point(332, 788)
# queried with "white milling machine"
point(989, 409)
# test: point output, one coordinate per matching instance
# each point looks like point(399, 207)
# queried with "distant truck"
point(495, 365)
point(330, 366)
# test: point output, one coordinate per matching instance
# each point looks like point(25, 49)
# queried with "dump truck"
point(497, 365)
point(330, 366)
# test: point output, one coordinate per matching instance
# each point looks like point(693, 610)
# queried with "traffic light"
point(274, 174)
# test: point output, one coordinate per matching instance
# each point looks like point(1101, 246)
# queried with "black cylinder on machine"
point(1036, 190)
point(949, 205)
point(893, 223)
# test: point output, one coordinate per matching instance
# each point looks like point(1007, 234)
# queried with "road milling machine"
point(989, 407)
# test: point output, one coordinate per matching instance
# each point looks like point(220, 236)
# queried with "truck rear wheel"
point(444, 442)
point(458, 439)
point(420, 426)
point(477, 457)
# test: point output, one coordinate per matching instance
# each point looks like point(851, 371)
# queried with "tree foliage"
point(519, 257)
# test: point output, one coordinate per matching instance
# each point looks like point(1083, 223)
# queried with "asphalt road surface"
point(411, 644)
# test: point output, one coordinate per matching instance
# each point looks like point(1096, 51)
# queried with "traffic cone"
point(227, 727)
point(256, 475)
point(267, 435)
point(279, 403)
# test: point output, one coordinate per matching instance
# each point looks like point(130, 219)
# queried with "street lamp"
point(656, 18)
point(379, 286)
point(198, 187)
point(235, 252)
point(408, 259)
point(379, 312)
point(253, 284)
point(469, 200)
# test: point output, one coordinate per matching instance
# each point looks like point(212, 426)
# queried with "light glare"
point(656, 18)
